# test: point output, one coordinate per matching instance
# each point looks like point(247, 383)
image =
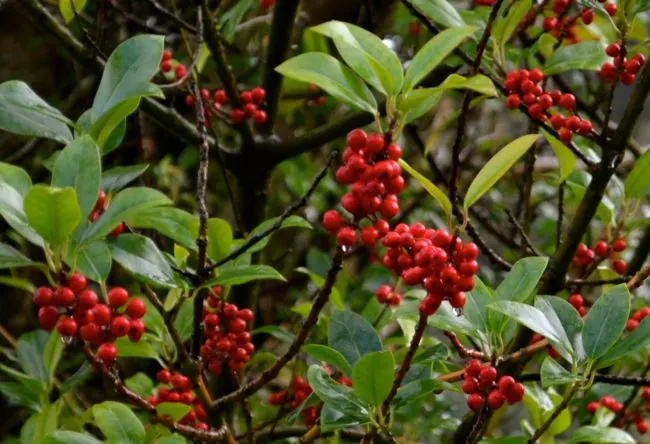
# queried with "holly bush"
point(392, 221)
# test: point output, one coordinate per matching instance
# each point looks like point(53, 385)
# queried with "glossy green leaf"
point(605, 321)
point(417, 102)
point(219, 238)
point(602, 435)
point(109, 130)
point(637, 184)
point(439, 11)
point(415, 390)
point(185, 319)
point(433, 190)
point(504, 27)
point(52, 212)
point(118, 423)
point(328, 355)
point(14, 184)
point(545, 307)
point(279, 333)
point(446, 319)
point(175, 410)
point(79, 166)
point(497, 166)
point(475, 306)
point(521, 280)
point(12, 258)
point(633, 342)
point(69, 7)
point(94, 260)
point(141, 349)
point(552, 373)
point(29, 352)
point(565, 157)
point(140, 383)
point(23, 112)
point(433, 53)
point(478, 83)
point(569, 318)
point(125, 204)
point(372, 377)
point(332, 77)
point(366, 54)
point(241, 274)
point(128, 72)
point(289, 222)
point(118, 177)
point(174, 223)
point(141, 257)
point(352, 335)
point(588, 55)
point(52, 354)
point(68, 437)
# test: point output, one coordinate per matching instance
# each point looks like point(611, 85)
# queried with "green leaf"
point(78, 166)
point(439, 11)
point(125, 204)
point(219, 238)
point(230, 19)
point(93, 260)
point(326, 354)
point(602, 435)
point(497, 166)
point(118, 423)
point(331, 76)
point(141, 257)
point(605, 321)
point(433, 53)
point(372, 377)
point(417, 102)
point(140, 383)
point(564, 156)
point(12, 258)
point(53, 212)
point(67, 11)
point(46, 422)
point(141, 349)
point(52, 354)
point(176, 224)
point(552, 373)
point(289, 222)
point(276, 331)
point(637, 339)
point(14, 184)
point(109, 130)
point(175, 410)
point(446, 319)
point(295, 415)
point(545, 307)
point(475, 306)
point(337, 396)
point(23, 112)
point(26, 393)
point(637, 184)
point(433, 190)
point(352, 335)
point(241, 274)
point(366, 54)
point(118, 177)
point(478, 83)
point(336, 298)
point(520, 282)
point(415, 390)
point(128, 72)
point(569, 318)
point(83, 373)
point(29, 352)
point(67, 437)
point(333, 419)
point(589, 55)
point(505, 26)
point(185, 319)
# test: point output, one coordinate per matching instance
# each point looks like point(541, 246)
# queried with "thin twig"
point(560, 407)
point(464, 352)
point(195, 56)
point(173, 17)
point(524, 237)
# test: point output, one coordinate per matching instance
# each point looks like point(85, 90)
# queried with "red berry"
point(47, 317)
point(565, 135)
point(631, 325)
point(220, 96)
point(375, 143)
point(613, 50)
point(230, 311)
point(236, 116)
point(458, 300)
point(163, 376)
point(107, 352)
point(394, 151)
point(180, 382)
point(473, 368)
point(266, 4)
point(67, 326)
point(258, 94)
point(642, 427)
point(167, 54)
point(117, 297)
point(259, 117)
point(346, 237)
point(357, 139)
point(332, 221)
point(369, 236)
point(470, 385)
point(63, 296)
point(136, 308)
point(414, 28)
point(120, 326)
point(515, 394)
point(627, 78)
point(513, 101)
point(92, 333)
point(237, 325)
point(495, 400)
point(536, 75)
point(487, 375)
point(592, 407)
point(611, 9)
point(505, 384)
point(567, 101)
point(43, 296)
point(181, 71)
point(619, 245)
point(250, 109)
point(101, 314)
point(246, 314)
point(136, 331)
point(601, 248)
point(620, 266)
point(475, 402)
point(166, 66)
point(585, 127)
point(77, 282)
point(87, 299)
point(576, 300)
point(117, 230)
point(587, 16)
point(246, 97)
point(189, 100)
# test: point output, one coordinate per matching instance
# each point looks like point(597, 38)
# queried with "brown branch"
point(524, 237)
point(462, 350)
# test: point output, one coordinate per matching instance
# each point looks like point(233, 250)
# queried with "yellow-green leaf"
point(65, 6)
point(435, 192)
point(564, 156)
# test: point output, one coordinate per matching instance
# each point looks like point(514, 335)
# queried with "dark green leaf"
point(352, 336)
point(140, 256)
point(241, 274)
point(67, 437)
point(637, 184)
point(415, 390)
point(439, 11)
point(433, 53)
point(52, 212)
point(107, 131)
point(26, 393)
point(504, 26)
point(637, 339)
point(14, 184)
point(93, 260)
point(23, 112)
point(588, 55)
point(174, 223)
point(545, 307)
point(602, 435)
point(475, 307)
point(185, 319)
point(433, 190)
point(79, 166)
point(497, 166)
point(553, 373)
point(219, 238)
point(289, 222)
point(82, 374)
point(334, 419)
point(118, 177)
point(140, 349)
point(417, 102)
point(277, 332)
point(326, 354)
point(478, 83)
point(140, 383)
point(332, 77)
point(118, 423)
point(12, 258)
point(564, 155)
point(372, 377)
point(446, 319)
point(29, 351)
point(605, 321)
point(52, 354)
point(520, 282)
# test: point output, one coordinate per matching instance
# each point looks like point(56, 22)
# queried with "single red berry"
point(237, 325)
point(77, 282)
point(513, 101)
point(246, 97)
point(259, 117)
point(619, 245)
point(620, 266)
point(236, 116)
point(611, 9)
point(47, 317)
point(375, 143)
point(346, 237)
point(369, 236)
point(107, 352)
point(181, 71)
point(515, 394)
point(43, 296)
point(585, 127)
point(567, 101)
point(642, 427)
point(67, 326)
point(592, 407)
point(613, 50)
point(332, 221)
point(475, 402)
point(414, 28)
point(473, 368)
point(470, 385)
point(136, 331)
point(495, 400)
point(220, 96)
point(180, 382)
point(627, 78)
point(246, 314)
point(117, 230)
point(258, 94)
point(394, 299)
point(120, 326)
point(394, 151)
point(163, 376)
point(505, 384)
point(92, 333)
point(102, 314)
point(117, 297)
point(536, 75)
point(587, 16)
point(631, 325)
point(383, 292)
point(189, 100)
point(136, 308)
point(166, 66)
point(167, 54)
point(576, 300)
point(487, 375)
point(601, 248)
point(565, 135)
point(63, 296)
point(87, 299)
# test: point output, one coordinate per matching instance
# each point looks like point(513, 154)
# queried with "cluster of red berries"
point(611, 404)
point(424, 256)
point(76, 312)
point(636, 318)
point(167, 64)
point(386, 295)
point(585, 256)
point(480, 383)
point(98, 210)
point(176, 387)
point(225, 329)
point(300, 390)
point(251, 100)
point(319, 100)
point(523, 86)
point(626, 69)
point(578, 302)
